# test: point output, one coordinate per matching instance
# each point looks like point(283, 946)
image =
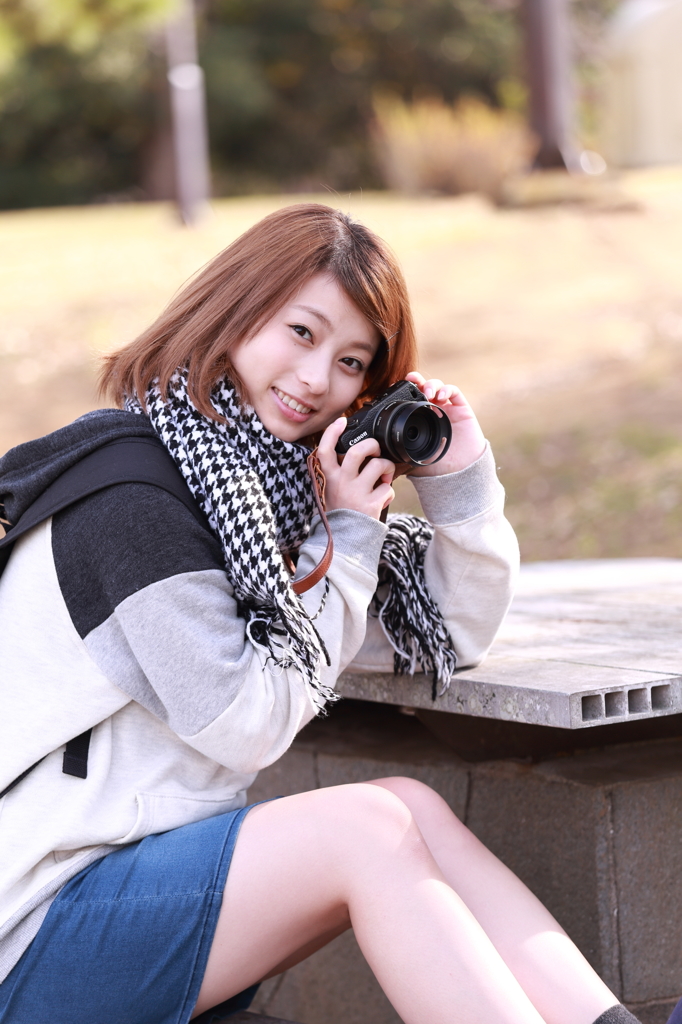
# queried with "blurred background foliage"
point(77, 81)
point(293, 90)
point(293, 101)
point(77, 24)
point(291, 87)
point(429, 146)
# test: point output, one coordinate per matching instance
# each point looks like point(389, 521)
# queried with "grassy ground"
point(563, 325)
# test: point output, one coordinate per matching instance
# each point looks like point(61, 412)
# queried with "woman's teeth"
point(291, 402)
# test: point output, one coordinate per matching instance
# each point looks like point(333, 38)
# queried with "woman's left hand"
point(468, 442)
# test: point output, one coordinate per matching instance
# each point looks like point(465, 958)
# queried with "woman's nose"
point(314, 372)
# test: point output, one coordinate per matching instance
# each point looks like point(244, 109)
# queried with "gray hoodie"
point(117, 614)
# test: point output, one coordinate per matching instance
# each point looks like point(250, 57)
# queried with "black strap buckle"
point(76, 755)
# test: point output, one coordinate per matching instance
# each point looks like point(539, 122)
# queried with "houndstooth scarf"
point(256, 493)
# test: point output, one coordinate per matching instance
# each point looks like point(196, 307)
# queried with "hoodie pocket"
point(161, 812)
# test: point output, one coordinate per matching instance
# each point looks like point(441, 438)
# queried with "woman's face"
point(308, 364)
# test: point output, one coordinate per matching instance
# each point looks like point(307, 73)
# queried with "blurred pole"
point(188, 110)
point(548, 60)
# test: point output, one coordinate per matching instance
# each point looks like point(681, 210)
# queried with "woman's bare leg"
point(551, 970)
point(307, 866)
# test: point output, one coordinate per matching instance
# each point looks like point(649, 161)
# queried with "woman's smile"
point(290, 406)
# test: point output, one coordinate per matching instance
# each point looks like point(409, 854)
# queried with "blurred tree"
point(77, 84)
point(290, 88)
point(78, 24)
point(291, 83)
point(72, 127)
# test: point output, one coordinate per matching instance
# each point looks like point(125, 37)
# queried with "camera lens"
point(415, 432)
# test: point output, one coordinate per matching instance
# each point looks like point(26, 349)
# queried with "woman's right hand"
point(350, 485)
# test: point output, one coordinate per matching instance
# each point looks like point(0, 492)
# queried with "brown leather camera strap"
point(322, 567)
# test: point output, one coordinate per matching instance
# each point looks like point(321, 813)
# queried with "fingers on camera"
point(376, 469)
point(367, 449)
point(389, 498)
point(331, 435)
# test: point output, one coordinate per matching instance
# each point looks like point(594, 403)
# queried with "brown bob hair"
point(242, 288)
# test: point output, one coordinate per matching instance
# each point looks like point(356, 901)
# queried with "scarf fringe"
point(287, 655)
point(409, 616)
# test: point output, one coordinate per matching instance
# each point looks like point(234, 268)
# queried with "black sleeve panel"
point(113, 543)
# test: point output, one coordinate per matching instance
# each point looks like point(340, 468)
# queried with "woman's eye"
point(353, 363)
point(303, 332)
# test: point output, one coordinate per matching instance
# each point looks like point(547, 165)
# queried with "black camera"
point(406, 425)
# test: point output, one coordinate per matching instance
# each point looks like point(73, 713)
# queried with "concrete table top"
point(585, 643)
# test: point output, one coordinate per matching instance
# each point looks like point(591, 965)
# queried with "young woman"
point(182, 644)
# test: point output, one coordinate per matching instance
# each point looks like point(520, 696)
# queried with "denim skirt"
point(127, 939)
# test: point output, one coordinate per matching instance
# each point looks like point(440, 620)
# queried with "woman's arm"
point(270, 705)
point(471, 564)
point(472, 561)
point(145, 587)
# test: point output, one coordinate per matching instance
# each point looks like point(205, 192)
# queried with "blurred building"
point(643, 100)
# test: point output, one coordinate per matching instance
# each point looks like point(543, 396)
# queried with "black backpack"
point(128, 460)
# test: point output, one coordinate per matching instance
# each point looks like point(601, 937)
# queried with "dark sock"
point(617, 1015)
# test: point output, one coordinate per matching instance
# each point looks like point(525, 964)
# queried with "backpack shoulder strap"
point(142, 460)
point(128, 460)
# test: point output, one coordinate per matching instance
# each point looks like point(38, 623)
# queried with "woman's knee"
point(350, 830)
point(370, 817)
point(409, 790)
point(422, 801)
point(339, 835)
point(364, 804)
point(413, 793)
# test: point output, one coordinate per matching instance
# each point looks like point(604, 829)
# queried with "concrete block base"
point(597, 835)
